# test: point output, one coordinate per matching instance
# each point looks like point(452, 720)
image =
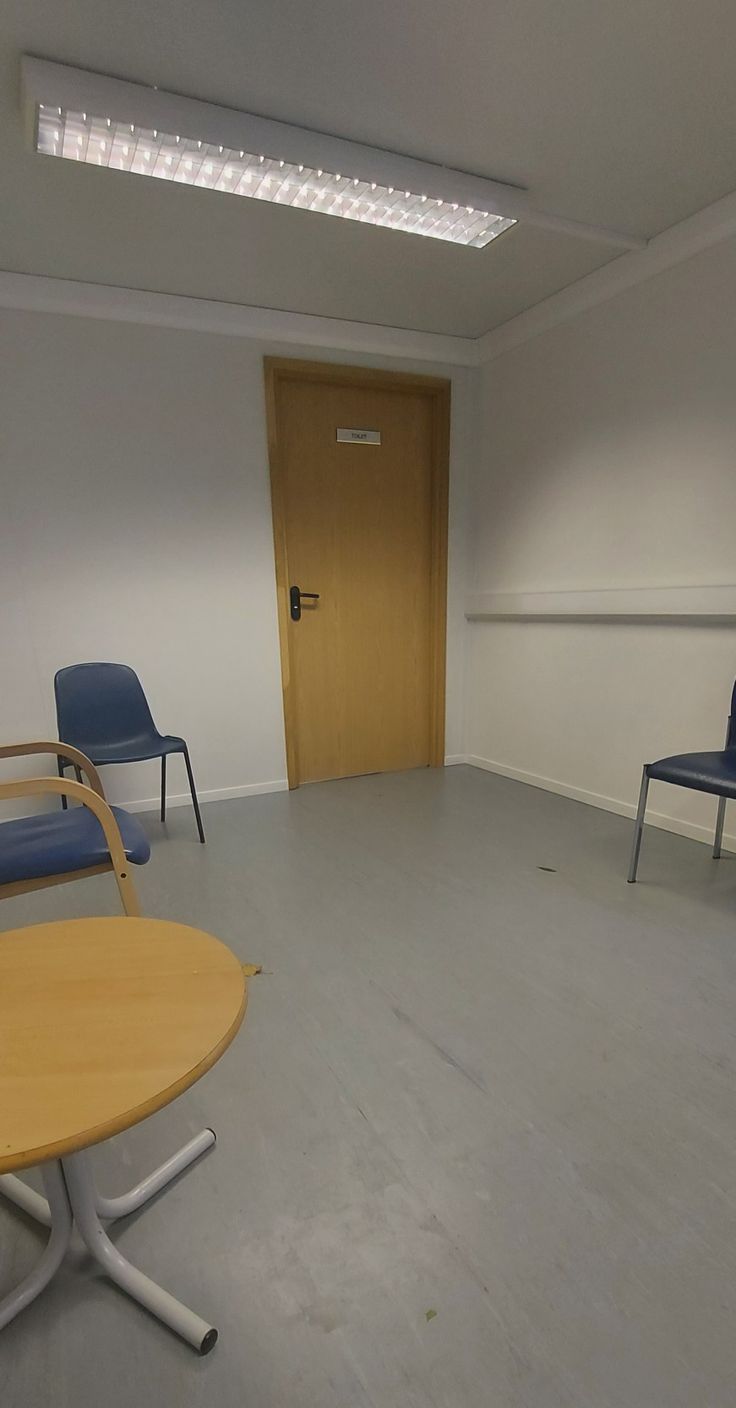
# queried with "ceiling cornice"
point(708, 226)
point(40, 294)
point(36, 293)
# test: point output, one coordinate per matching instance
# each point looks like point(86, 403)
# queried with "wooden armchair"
point(51, 848)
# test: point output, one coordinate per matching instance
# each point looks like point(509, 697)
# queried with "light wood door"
point(364, 526)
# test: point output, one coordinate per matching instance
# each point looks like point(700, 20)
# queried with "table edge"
point(85, 1139)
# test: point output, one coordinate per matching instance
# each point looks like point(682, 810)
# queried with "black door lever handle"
point(295, 601)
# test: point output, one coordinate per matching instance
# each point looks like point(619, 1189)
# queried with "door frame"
point(278, 370)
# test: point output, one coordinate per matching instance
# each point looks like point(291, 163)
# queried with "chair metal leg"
point(638, 827)
point(720, 818)
point(61, 1227)
point(163, 787)
point(193, 791)
point(60, 769)
point(165, 1307)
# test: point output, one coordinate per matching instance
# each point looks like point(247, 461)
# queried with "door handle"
point(295, 601)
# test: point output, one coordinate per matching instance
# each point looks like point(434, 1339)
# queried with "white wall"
point(609, 460)
point(135, 525)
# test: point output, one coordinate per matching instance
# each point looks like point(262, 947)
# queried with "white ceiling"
point(612, 112)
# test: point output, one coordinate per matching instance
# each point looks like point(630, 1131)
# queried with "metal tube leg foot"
point(26, 1198)
point(638, 827)
point(61, 1226)
point(193, 791)
point(720, 818)
point(178, 1317)
point(148, 1187)
point(163, 787)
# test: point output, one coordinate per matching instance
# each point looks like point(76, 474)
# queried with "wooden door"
point(364, 525)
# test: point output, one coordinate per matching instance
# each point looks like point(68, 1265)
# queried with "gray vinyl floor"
point(476, 1139)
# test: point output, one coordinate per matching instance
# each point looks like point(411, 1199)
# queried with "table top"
point(102, 1022)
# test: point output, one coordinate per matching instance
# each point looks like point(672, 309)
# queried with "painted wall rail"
point(637, 604)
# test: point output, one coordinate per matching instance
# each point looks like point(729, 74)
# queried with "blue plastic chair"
point(703, 772)
point(103, 711)
point(53, 847)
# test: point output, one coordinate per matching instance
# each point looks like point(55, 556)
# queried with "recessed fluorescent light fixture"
point(88, 118)
point(122, 146)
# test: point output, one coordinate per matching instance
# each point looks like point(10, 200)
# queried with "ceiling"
point(620, 114)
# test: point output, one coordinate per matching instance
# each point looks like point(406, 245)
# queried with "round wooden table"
point(103, 1022)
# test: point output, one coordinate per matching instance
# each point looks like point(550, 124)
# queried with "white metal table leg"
point(178, 1317)
point(50, 1261)
point(26, 1198)
point(36, 1206)
point(154, 1182)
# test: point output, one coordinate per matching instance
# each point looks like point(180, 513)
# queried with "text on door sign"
point(358, 437)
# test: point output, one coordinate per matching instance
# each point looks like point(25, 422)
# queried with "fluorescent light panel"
point(306, 169)
point(100, 141)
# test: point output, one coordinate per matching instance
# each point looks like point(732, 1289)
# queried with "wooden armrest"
point(36, 786)
point(60, 750)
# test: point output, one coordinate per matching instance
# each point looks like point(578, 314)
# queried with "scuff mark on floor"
point(446, 1056)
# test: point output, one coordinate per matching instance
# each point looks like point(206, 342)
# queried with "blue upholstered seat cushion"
point(705, 772)
point(55, 842)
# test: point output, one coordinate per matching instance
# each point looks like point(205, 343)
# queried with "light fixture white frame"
point(77, 91)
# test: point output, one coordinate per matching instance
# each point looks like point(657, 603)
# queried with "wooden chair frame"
point(93, 797)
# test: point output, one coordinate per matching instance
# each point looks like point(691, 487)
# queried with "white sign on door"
point(358, 437)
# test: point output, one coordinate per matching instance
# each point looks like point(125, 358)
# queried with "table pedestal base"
point(72, 1200)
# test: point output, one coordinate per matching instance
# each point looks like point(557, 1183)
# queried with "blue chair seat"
point(133, 750)
point(56, 842)
point(704, 772)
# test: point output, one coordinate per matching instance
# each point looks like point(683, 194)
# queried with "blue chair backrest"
point(100, 703)
point(731, 736)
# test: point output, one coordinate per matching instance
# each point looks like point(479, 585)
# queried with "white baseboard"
point(217, 794)
point(662, 820)
point(675, 824)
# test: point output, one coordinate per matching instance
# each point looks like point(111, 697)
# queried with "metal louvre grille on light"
point(99, 141)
